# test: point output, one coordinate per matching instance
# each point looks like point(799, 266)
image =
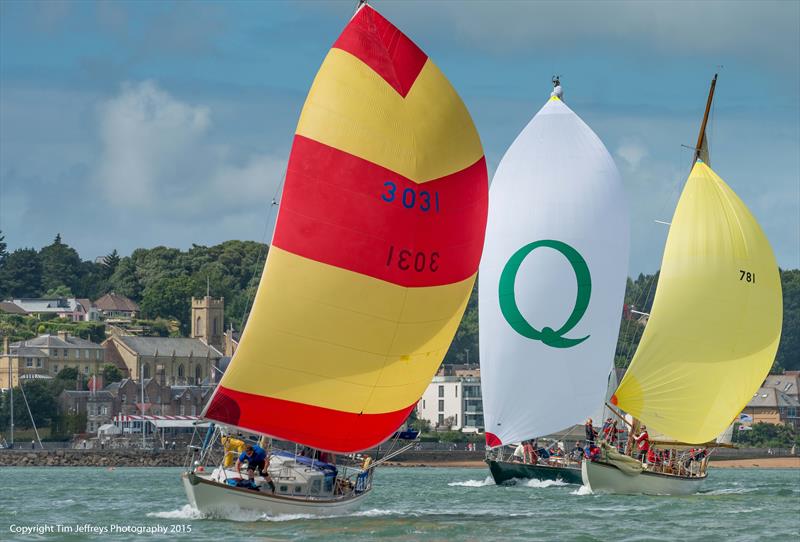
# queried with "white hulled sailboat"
point(711, 338)
point(375, 253)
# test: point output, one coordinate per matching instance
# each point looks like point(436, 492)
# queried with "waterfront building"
point(776, 401)
point(44, 356)
point(452, 401)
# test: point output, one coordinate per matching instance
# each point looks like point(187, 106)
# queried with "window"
point(78, 353)
point(456, 419)
point(28, 362)
point(104, 410)
point(183, 410)
point(145, 371)
point(456, 388)
point(87, 352)
point(98, 354)
point(441, 391)
point(66, 353)
point(55, 368)
point(86, 370)
point(197, 330)
point(38, 362)
point(441, 405)
point(180, 370)
point(215, 326)
point(55, 353)
point(198, 374)
point(194, 410)
point(423, 404)
point(441, 419)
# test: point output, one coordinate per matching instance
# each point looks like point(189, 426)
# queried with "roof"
point(166, 346)
point(11, 308)
point(772, 398)
point(785, 383)
point(54, 341)
point(47, 304)
point(116, 302)
point(86, 303)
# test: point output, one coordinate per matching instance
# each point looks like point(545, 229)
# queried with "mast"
point(11, 389)
point(701, 138)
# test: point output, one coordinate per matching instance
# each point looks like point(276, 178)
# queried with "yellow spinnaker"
point(716, 318)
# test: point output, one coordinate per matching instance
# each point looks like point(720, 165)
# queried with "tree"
point(59, 291)
point(68, 374)
point(169, 297)
point(124, 281)
point(788, 356)
point(111, 373)
point(41, 401)
point(3, 245)
point(61, 265)
point(110, 263)
point(21, 274)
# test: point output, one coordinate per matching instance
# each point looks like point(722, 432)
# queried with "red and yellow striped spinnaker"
point(376, 248)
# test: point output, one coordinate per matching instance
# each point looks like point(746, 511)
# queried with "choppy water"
point(407, 504)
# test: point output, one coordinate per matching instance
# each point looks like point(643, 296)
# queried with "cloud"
point(766, 32)
point(160, 157)
point(146, 136)
point(632, 152)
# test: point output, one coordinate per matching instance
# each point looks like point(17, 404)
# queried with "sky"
point(129, 125)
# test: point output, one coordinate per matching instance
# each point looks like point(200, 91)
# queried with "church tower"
point(208, 320)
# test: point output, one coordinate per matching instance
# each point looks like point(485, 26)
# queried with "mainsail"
point(716, 318)
point(552, 278)
point(375, 252)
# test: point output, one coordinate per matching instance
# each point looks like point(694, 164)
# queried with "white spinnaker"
point(556, 183)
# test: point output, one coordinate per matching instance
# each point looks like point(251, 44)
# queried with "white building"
point(453, 403)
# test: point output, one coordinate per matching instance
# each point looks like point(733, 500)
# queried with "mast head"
point(558, 92)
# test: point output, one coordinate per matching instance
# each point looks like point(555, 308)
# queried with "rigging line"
point(262, 252)
point(22, 388)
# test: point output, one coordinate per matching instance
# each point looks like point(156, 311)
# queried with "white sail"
point(552, 278)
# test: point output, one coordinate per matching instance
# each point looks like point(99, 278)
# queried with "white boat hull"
point(600, 477)
point(216, 499)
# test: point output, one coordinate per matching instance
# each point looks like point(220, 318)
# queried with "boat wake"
point(533, 482)
point(474, 483)
point(583, 490)
point(185, 512)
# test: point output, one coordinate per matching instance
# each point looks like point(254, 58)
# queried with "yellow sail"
point(716, 319)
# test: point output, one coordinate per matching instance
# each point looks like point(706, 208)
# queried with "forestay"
point(552, 278)
point(716, 318)
point(376, 247)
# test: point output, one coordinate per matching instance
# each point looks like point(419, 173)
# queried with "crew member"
point(256, 458)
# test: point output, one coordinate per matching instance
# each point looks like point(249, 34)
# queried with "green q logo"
point(508, 303)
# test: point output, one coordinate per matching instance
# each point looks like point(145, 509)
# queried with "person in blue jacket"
point(256, 458)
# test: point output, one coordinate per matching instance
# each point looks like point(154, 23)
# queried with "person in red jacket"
point(643, 443)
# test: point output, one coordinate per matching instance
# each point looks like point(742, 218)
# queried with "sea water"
point(447, 504)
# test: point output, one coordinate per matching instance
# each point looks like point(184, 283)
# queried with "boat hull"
point(216, 499)
point(601, 477)
point(504, 471)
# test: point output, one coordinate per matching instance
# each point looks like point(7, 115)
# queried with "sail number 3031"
point(406, 260)
point(747, 276)
point(410, 198)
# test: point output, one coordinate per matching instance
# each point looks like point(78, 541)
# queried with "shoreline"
point(423, 459)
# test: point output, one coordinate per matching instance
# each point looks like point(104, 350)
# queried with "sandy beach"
point(761, 463)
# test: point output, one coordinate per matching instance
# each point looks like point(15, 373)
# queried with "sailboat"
point(375, 252)
point(711, 338)
point(551, 287)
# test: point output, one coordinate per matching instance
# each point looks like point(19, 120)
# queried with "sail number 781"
point(747, 276)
